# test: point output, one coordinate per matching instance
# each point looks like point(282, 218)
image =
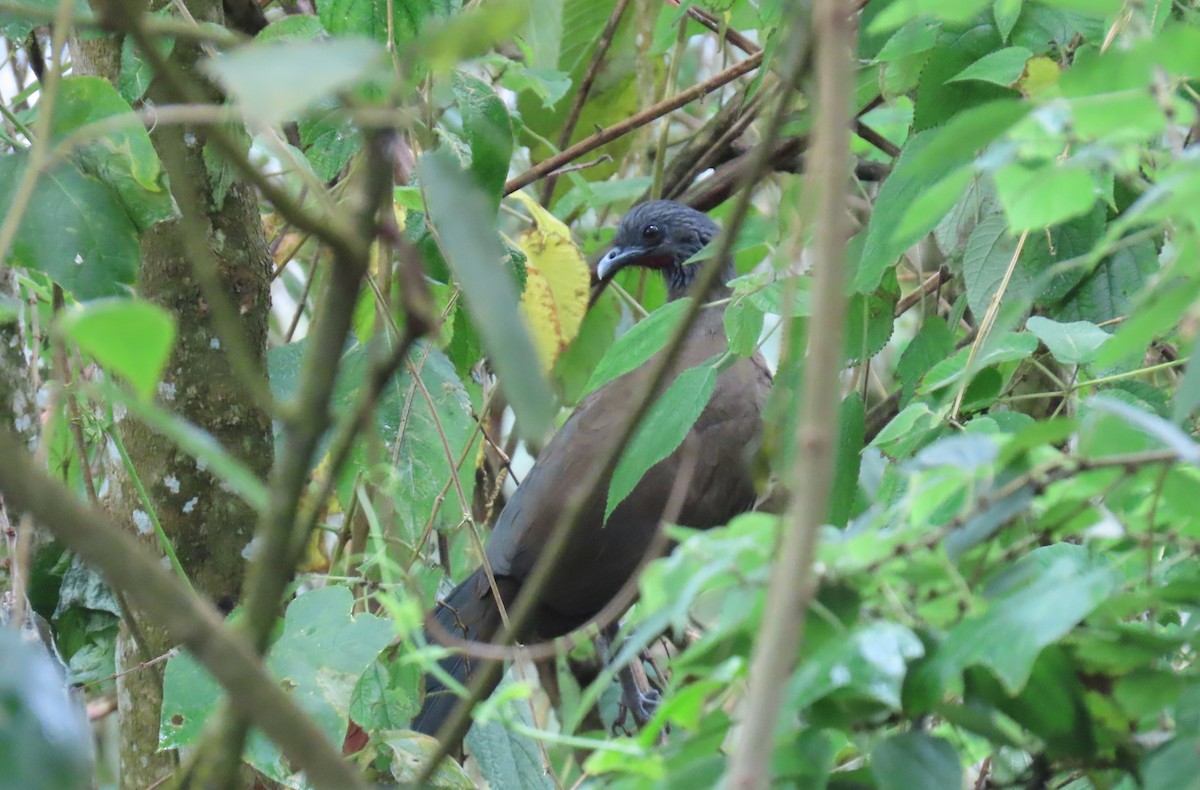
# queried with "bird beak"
point(616, 259)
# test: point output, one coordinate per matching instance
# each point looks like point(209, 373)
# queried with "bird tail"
point(469, 611)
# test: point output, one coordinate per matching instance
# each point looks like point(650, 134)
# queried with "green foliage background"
point(1008, 582)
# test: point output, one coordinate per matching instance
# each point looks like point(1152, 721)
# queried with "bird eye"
point(652, 233)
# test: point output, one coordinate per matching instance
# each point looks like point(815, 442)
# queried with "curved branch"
point(130, 567)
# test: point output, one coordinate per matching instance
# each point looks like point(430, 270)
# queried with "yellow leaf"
point(1040, 80)
point(556, 283)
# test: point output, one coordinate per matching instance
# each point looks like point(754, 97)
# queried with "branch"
point(585, 88)
point(637, 121)
point(188, 620)
point(713, 24)
point(792, 582)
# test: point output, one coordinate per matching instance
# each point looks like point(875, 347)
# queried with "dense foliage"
point(1007, 575)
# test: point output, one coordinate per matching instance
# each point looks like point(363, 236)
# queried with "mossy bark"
point(208, 526)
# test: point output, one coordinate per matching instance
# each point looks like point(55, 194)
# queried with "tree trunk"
point(209, 527)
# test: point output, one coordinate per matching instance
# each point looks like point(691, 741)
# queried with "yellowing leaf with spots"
point(556, 283)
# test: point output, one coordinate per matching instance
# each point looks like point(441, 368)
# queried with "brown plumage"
point(660, 235)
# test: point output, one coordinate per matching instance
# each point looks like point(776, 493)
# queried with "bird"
point(659, 236)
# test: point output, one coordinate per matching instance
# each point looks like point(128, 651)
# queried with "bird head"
point(659, 235)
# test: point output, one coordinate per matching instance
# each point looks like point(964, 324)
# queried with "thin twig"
point(585, 89)
point(608, 134)
point(934, 282)
point(713, 24)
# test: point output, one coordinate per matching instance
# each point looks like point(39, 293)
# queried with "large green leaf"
point(1071, 344)
point(663, 429)
point(74, 229)
point(1034, 603)
point(45, 741)
point(638, 344)
point(131, 338)
point(318, 659)
point(409, 425)
point(915, 761)
point(488, 131)
point(125, 160)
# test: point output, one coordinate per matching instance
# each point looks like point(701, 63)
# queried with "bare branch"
point(792, 583)
point(191, 622)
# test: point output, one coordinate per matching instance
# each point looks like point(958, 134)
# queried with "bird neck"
point(681, 281)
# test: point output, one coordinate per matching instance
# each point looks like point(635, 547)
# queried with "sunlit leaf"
point(128, 337)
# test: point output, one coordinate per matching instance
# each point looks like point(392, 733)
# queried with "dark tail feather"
point(468, 611)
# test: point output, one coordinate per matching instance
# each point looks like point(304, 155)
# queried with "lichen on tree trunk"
point(208, 526)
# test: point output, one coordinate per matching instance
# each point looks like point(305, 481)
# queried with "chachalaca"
point(659, 235)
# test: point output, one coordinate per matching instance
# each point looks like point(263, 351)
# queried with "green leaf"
point(74, 230)
point(915, 761)
point(986, 262)
point(1051, 706)
point(851, 427)
point(1174, 766)
point(1005, 347)
point(1072, 344)
point(125, 160)
point(319, 658)
point(1002, 67)
point(507, 758)
point(663, 429)
point(276, 81)
point(869, 662)
point(900, 12)
point(637, 345)
point(128, 337)
point(408, 425)
point(329, 139)
point(488, 131)
point(404, 752)
point(933, 343)
point(1035, 602)
point(1006, 13)
point(1107, 292)
point(461, 219)
point(743, 325)
point(1038, 197)
point(45, 740)
point(939, 101)
point(870, 321)
point(928, 159)
point(919, 35)
point(1187, 397)
point(385, 697)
